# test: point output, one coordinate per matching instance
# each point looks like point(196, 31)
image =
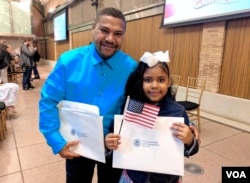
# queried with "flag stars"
point(141, 113)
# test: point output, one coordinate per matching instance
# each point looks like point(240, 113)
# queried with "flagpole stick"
point(124, 112)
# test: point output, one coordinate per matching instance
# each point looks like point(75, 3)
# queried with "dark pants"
point(26, 76)
point(81, 170)
point(35, 71)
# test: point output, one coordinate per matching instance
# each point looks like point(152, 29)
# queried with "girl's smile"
point(155, 83)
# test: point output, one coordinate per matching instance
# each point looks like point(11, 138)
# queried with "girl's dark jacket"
point(168, 107)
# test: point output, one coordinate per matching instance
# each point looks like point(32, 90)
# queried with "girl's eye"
point(161, 80)
point(146, 80)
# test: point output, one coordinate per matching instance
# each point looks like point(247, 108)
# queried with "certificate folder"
point(150, 150)
point(79, 121)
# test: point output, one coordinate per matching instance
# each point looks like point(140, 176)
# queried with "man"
point(26, 56)
point(95, 74)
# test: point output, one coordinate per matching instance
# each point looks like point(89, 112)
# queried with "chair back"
point(12, 67)
point(195, 88)
point(12, 73)
point(175, 82)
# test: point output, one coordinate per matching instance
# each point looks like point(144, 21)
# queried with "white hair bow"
point(153, 58)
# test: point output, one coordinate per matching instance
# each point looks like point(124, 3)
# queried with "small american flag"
point(141, 113)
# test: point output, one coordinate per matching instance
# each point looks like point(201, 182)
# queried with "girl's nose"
point(154, 84)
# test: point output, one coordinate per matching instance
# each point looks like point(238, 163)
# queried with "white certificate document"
point(82, 122)
point(150, 150)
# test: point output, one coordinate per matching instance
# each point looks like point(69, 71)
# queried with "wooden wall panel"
point(235, 74)
point(50, 5)
point(41, 48)
point(50, 49)
point(81, 38)
point(183, 44)
point(61, 47)
point(162, 37)
point(186, 51)
point(138, 37)
point(37, 23)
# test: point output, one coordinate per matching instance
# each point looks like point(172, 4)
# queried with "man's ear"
point(93, 25)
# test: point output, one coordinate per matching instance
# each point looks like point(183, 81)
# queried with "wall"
point(51, 5)
point(218, 51)
point(211, 55)
point(225, 109)
point(15, 17)
point(37, 24)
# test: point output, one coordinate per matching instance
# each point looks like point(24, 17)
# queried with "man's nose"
point(110, 37)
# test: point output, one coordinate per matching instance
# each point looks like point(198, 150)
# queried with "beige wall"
point(195, 50)
point(37, 23)
point(217, 51)
point(52, 4)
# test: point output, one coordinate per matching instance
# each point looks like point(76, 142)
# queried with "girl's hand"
point(196, 133)
point(183, 132)
point(112, 141)
point(66, 153)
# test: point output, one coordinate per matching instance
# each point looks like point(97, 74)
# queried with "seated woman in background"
point(9, 95)
point(4, 63)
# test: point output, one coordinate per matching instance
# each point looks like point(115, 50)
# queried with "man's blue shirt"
point(81, 75)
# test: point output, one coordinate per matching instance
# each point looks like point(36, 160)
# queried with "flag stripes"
point(141, 113)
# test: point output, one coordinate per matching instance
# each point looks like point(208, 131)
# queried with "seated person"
point(9, 95)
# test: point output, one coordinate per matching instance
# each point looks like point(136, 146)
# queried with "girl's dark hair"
point(134, 87)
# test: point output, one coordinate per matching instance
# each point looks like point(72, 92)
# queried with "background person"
point(95, 74)
point(26, 57)
point(36, 58)
point(11, 56)
point(4, 63)
point(9, 95)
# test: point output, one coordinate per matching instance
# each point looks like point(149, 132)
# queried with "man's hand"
point(112, 141)
point(66, 153)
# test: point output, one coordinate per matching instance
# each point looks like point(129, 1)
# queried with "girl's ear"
point(169, 82)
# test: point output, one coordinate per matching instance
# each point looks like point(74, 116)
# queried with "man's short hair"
point(27, 39)
point(110, 11)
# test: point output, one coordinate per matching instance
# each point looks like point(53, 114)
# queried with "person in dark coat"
point(36, 58)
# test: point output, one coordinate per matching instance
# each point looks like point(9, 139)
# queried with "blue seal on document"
point(137, 142)
point(73, 131)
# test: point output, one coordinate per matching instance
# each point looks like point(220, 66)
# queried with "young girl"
point(151, 83)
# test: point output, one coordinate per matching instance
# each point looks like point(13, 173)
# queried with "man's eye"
point(104, 31)
point(118, 34)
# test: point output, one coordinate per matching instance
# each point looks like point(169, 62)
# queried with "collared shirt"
point(81, 75)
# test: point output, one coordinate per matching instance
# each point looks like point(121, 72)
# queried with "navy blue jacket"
point(168, 107)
